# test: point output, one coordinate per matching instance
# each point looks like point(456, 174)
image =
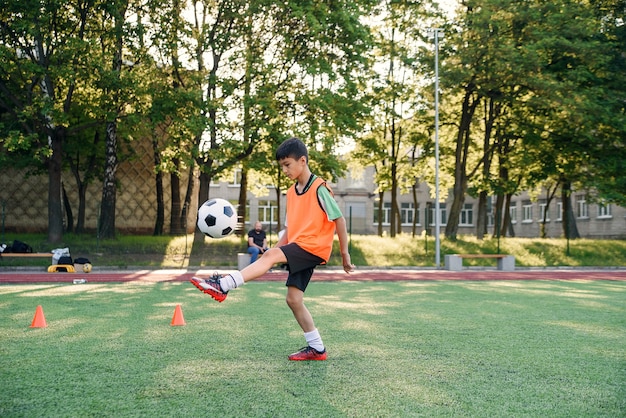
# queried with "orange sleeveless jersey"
point(307, 223)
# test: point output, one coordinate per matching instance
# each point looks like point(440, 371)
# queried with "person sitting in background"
point(257, 241)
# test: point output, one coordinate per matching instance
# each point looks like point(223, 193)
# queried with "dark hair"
point(292, 147)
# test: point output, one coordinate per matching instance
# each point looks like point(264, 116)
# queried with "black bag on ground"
point(19, 247)
point(81, 260)
point(66, 259)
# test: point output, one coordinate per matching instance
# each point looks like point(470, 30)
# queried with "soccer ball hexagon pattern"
point(217, 218)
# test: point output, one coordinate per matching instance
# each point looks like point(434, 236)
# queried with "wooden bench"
point(454, 262)
point(23, 255)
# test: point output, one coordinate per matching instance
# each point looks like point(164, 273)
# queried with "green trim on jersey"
point(329, 203)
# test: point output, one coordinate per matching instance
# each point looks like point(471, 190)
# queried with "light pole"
point(437, 33)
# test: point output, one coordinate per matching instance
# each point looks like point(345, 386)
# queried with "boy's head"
point(292, 148)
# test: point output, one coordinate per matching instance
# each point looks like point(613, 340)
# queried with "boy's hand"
point(348, 267)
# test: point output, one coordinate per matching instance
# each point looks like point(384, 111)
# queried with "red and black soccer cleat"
point(308, 353)
point(211, 287)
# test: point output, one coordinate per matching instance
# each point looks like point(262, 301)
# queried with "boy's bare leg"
point(263, 264)
point(295, 300)
point(219, 285)
point(315, 349)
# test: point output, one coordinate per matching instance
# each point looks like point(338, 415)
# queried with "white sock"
point(231, 281)
point(314, 340)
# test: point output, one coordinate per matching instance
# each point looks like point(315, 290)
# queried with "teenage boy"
point(313, 218)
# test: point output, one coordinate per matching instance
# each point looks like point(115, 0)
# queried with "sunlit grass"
point(366, 250)
point(454, 349)
point(405, 250)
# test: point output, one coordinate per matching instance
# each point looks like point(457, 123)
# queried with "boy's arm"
point(342, 234)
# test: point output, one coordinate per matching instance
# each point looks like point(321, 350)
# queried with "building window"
point(268, 212)
point(544, 212)
point(513, 212)
point(604, 210)
point(559, 211)
point(491, 204)
point(582, 208)
point(236, 178)
point(442, 213)
point(466, 218)
point(385, 215)
point(407, 212)
point(527, 211)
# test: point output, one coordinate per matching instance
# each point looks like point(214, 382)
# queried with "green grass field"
point(366, 250)
point(398, 349)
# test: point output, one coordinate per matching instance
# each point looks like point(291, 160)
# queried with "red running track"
point(320, 275)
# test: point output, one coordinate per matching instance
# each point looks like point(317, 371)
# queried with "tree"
point(282, 69)
point(173, 108)
point(118, 92)
point(539, 64)
point(394, 87)
point(45, 49)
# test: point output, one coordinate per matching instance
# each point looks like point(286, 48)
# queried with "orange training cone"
point(178, 319)
point(39, 321)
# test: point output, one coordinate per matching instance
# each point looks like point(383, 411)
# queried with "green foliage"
point(396, 349)
point(541, 95)
point(224, 87)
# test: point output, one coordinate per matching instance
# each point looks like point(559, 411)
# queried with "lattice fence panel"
point(24, 200)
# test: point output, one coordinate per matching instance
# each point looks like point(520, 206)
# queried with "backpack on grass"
point(65, 259)
point(18, 247)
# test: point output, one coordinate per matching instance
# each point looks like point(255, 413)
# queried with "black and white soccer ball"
point(217, 218)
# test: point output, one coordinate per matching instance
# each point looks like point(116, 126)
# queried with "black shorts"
point(300, 264)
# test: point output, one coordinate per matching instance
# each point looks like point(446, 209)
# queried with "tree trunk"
point(491, 113)
point(279, 226)
point(460, 165)
point(68, 211)
point(508, 222)
point(176, 206)
point(55, 213)
point(109, 188)
point(393, 213)
point(381, 196)
point(481, 216)
point(241, 209)
point(416, 210)
point(203, 192)
point(82, 183)
point(549, 196)
point(503, 215)
point(396, 208)
point(570, 230)
point(498, 215)
point(159, 222)
point(394, 179)
point(188, 196)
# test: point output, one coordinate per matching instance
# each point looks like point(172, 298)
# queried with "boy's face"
point(292, 168)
